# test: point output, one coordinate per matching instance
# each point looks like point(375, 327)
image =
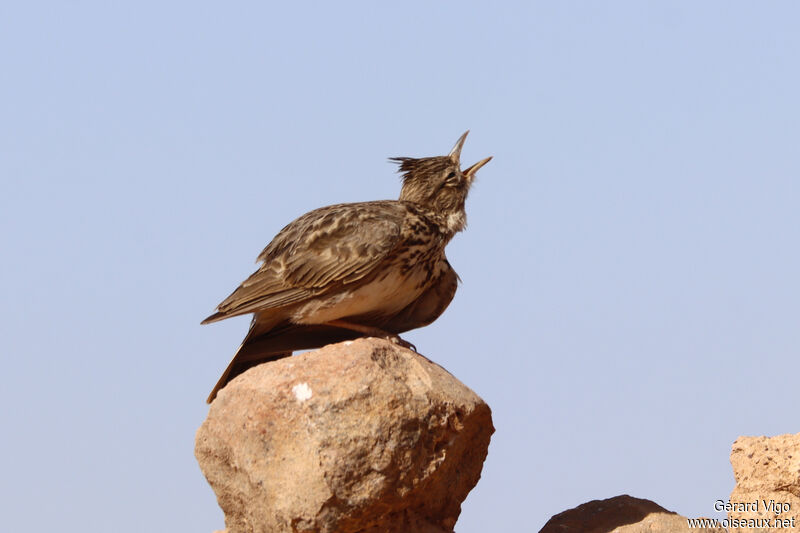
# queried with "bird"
point(351, 270)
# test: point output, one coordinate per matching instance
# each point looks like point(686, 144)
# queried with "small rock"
point(620, 514)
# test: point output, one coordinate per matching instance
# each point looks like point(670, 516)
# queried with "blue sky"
point(630, 289)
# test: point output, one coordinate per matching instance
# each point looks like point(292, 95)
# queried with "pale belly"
point(386, 296)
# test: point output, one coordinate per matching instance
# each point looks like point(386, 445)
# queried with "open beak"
point(470, 172)
point(455, 153)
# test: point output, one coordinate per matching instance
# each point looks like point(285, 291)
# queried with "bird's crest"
point(424, 166)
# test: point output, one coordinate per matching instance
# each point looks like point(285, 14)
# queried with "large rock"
point(767, 472)
point(357, 436)
point(620, 514)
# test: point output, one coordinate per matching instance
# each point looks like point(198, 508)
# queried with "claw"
point(370, 331)
point(404, 343)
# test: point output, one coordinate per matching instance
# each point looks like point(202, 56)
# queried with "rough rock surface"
point(766, 469)
point(360, 436)
point(620, 514)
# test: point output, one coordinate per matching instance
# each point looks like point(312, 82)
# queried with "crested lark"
point(352, 270)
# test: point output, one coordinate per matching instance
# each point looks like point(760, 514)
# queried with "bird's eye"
point(451, 178)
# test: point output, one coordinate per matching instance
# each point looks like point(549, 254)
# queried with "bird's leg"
point(372, 332)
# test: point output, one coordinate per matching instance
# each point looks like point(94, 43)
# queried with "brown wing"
point(316, 254)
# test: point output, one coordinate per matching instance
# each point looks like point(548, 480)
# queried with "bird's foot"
point(401, 342)
point(373, 332)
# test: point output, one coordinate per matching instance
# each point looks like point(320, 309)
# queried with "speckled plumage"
point(349, 270)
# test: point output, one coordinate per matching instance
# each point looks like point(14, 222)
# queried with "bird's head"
point(439, 184)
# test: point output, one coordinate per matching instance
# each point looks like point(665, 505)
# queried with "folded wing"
point(317, 254)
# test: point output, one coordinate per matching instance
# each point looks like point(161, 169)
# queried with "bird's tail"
point(244, 359)
point(277, 344)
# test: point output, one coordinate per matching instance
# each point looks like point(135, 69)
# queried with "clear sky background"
point(630, 301)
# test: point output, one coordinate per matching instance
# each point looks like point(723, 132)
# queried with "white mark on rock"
point(302, 392)
point(348, 343)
